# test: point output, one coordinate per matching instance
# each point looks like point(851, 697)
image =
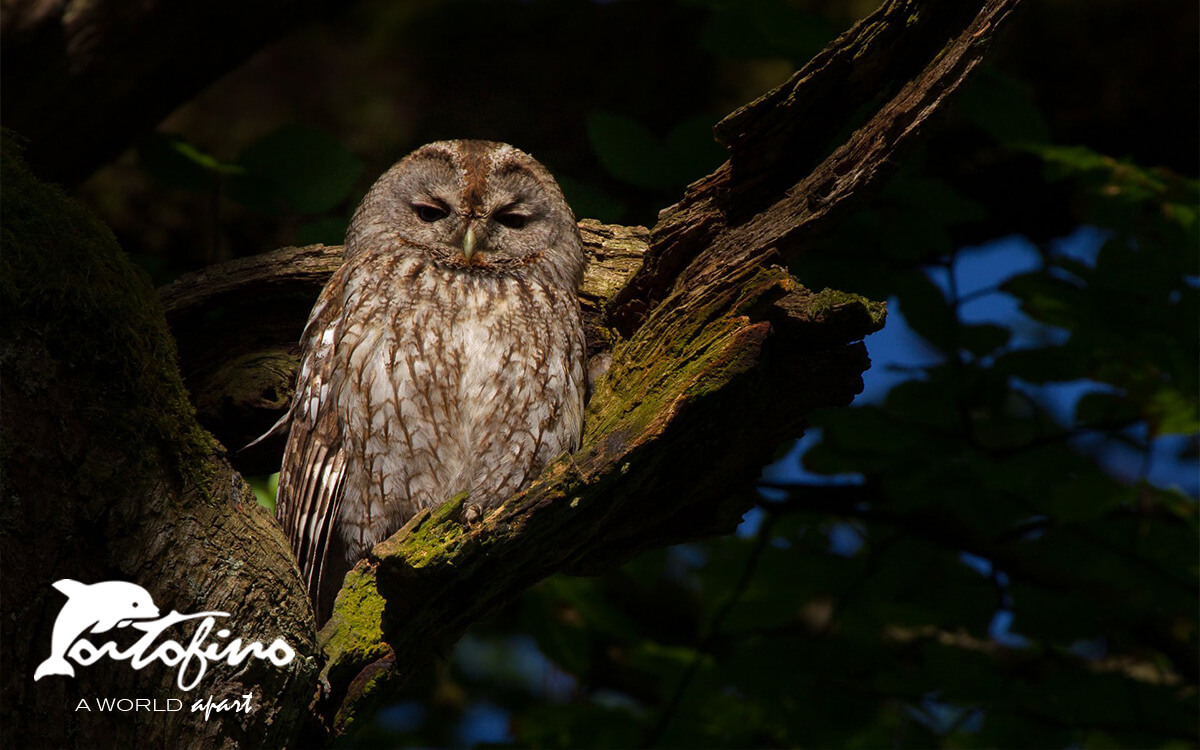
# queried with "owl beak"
point(468, 243)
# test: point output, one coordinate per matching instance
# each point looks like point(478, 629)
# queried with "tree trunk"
point(717, 356)
point(107, 475)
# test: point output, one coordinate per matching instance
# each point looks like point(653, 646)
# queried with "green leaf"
point(926, 310)
point(257, 192)
point(932, 200)
point(862, 439)
point(1003, 108)
point(1048, 364)
point(174, 162)
point(1084, 495)
point(331, 231)
point(983, 338)
point(1101, 408)
point(264, 489)
point(578, 725)
point(308, 167)
point(667, 663)
point(1173, 413)
point(764, 28)
point(929, 403)
point(693, 150)
point(629, 151)
point(590, 202)
point(1047, 299)
point(587, 599)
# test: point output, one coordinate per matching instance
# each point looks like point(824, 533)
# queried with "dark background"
point(996, 546)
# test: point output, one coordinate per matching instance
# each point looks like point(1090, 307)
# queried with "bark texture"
point(717, 356)
point(107, 475)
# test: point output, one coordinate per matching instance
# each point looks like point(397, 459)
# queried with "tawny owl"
point(445, 355)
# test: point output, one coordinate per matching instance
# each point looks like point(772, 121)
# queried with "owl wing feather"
point(312, 480)
point(320, 478)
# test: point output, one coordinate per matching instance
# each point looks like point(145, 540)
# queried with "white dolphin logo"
point(92, 608)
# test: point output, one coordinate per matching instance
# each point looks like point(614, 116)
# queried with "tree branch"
point(1021, 560)
point(717, 357)
point(238, 325)
point(714, 370)
point(765, 203)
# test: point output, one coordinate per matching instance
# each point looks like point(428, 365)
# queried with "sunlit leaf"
point(175, 162)
point(1174, 413)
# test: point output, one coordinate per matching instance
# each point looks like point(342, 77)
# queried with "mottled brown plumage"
point(445, 355)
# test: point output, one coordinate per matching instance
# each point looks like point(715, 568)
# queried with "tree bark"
point(717, 356)
point(107, 475)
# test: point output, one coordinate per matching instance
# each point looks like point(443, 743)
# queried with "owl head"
point(477, 207)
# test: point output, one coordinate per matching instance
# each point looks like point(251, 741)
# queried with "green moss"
point(353, 637)
point(364, 700)
point(77, 313)
point(353, 643)
point(696, 354)
point(355, 630)
point(828, 299)
point(429, 537)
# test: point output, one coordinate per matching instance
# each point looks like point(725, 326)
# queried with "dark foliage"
point(996, 548)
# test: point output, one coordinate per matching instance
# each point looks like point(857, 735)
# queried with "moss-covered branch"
point(238, 325)
point(717, 357)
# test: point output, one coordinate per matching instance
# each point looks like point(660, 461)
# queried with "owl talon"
point(472, 513)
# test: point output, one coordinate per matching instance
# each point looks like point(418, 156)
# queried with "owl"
point(445, 355)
